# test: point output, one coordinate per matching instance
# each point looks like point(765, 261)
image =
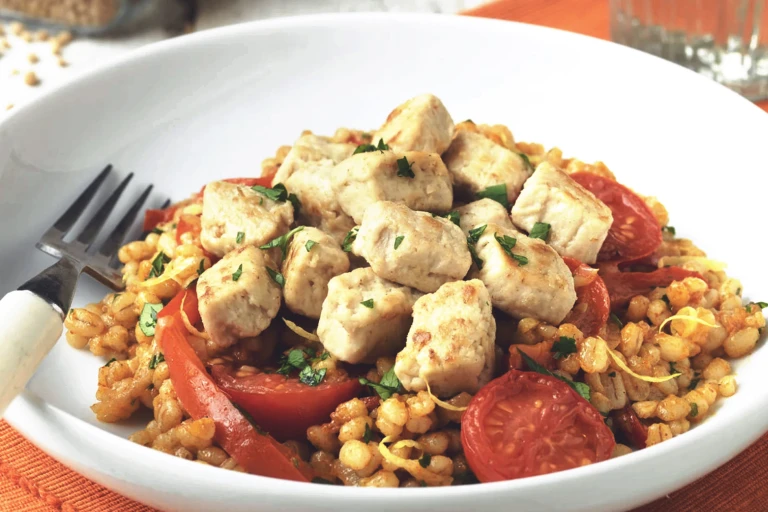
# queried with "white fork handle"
point(29, 328)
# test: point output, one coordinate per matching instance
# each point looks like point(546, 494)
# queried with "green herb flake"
point(404, 168)
point(454, 217)
point(346, 245)
point(238, 273)
point(540, 230)
point(672, 368)
point(158, 265)
point(669, 229)
point(110, 362)
point(281, 241)
point(507, 243)
point(388, 386)
point(475, 234)
point(368, 148)
point(581, 388)
point(294, 200)
point(563, 347)
point(398, 241)
point(521, 260)
point(694, 383)
point(526, 160)
point(367, 434)
point(156, 360)
point(201, 268)
point(157, 230)
point(368, 303)
point(425, 460)
point(295, 360)
point(240, 237)
point(762, 305)
point(612, 374)
point(310, 244)
point(616, 320)
point(497, 193)
point(276, 276)
point(276, 193)
point(312, 377)
point(665, 299)
point(694, 410)
point(148, 318)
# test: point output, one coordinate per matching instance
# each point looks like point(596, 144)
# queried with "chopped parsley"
point(694, 383)
point(367, 148)
point(398, 241)
point(238, 273)
point(497, 193)
point(694, 410)
point(563, 347)
point(615, 319)
point(425, 460)
point(762, 305)
point(540, 230)
point(295, 360)
point(668, 229)
point(474, 236)
point(148, 318)
point(507, 243)
point(312, 377)
point(665, 299)
point(294, 200)
point(310, 244)
point(240, 237)
point(672, 368)
point(388, 386)
point(526, 160)
point(110, 362)
point(581, 388)
point(276, 276)
point(158, 265)
point(276, 193)
point(453, 217)
point(404, 168)
point(201, 268)
point(157, 230)
point(368, 303)
point(367, 434)
point(612, 374)
point(282, 241)
point(156, 360)
point(346, 245)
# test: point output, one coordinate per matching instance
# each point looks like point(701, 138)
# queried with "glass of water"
point(726, 40)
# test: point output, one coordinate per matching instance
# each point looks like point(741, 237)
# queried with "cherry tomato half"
point(257, 452)
point(622, 286)
point(635, 232)
point(153, 217)
point(593, 307)
point(283, 406)
point(526, 424)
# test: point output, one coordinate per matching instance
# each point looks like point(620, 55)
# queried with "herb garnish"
point(110, 362)
point(563, 347)
point(404, 168)
point(425, 460)
point(540, 230)
point(156, 360)
point(507, 243)
point(310, 244)
point(668, 229)
point(367, 434)
point(158, 265)
point(240, 237)
point(474, 236)
point(453, 217)
point(581, 388)
point(346, 245)
point(388, 386)
point(615, 319)
point(282, 241)
point(367, 148)
point(201, 268)
point(496, 192)
point(238, 273)
point(276, 193)
point(398, 241)
point(526, 160)
point(694, 410)
point(368, 303)
point(276, 276)
point(148, 318)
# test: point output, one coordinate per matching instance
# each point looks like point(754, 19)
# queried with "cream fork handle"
point(29, 328)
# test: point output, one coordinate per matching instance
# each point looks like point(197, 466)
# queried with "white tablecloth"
point(86, 53)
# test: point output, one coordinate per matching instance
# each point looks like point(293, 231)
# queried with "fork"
point(32, 317)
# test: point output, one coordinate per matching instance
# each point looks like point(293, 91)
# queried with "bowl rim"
point(31, 414)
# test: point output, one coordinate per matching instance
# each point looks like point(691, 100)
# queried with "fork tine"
point(116, 237)
point(94, 226)
point(68, 219)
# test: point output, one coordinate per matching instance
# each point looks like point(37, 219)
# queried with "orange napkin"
point(33, 481)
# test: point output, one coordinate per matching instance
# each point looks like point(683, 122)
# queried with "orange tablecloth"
point(32, 481)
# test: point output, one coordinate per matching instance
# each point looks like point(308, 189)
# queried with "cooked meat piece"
point(451, 342)
point(412, 248)
point(484, 211)
point(476, 163)
point(365, 178)
point(541, 288)
point(236, 296)
point(420, 124)
point(365, 317)
point(309, 151)
point(229, 209)
point(580, 222)
point(313, 258)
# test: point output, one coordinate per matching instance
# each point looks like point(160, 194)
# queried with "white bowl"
point(212, 105)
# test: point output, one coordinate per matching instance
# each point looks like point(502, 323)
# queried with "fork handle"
point(29, 328)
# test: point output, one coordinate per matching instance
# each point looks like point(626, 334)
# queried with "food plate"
point(212, 105)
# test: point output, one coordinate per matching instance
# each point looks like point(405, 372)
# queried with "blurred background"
point(46, 42)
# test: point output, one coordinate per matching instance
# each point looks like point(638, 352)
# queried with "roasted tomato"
point(153, 217)
point(630, 426)
point(255, 450)
point(635, 232)
point(189, 297)
point(622, 286)
point(283, 406)
point(593, 307)
point(526, 424)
